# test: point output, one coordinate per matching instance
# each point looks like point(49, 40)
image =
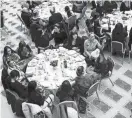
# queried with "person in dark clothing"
point(123, 7)
point(4, 76)
point(101, 66)
point(107, 7)
point(26, 16)
point(55, 17)
point(99, 9)
point(67, 10)
point(33, 95)
point(93, 5)
point(119, 34)
point(130, 39)
point(90, 25)
point(24, 51)
point(65, 92)
point(59, 35)
point(2, 19)
point(77, 42)
point(16, 86)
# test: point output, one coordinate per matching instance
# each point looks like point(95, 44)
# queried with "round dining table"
point(49, 76)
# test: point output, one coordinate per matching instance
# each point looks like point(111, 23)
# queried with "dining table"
point(51, 75)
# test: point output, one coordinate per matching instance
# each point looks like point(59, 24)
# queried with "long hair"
point(66, 86)
point(67, 10)
point(21, 44)
point(31, 86)
point(118, 28)
point(5, 50)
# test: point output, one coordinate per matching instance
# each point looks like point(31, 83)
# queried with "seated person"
point(107, 7)
point(24, 51)
point(119, 34)
point(82, 82)
point(130, 39)
point(93, 5)
point(67, 10)
point(16, 85)
point(59, 35)
point(55, 17)
point(9, 55)
point(123, 7)
point(65, 92)
point(90, 25)
point(101, 65)
point(35, 97)
point(99, 9)
point(77, 43)
point(90, 45)
point(26, 16)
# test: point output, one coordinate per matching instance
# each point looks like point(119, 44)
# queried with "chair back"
point(71, 22)
point(20, 19)
point(111, 64)
point(12, 97)
point(117, 46)
point(62, 108)
point(92, 89)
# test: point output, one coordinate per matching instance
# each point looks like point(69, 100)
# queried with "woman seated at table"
point(16, 84)
point(9, 55)
point(123, 7)
point(59, 35)
point(65, 92)
point(90, 45)
point(90, 25)
point(44, 100)
point(77, 43)
point(130, 39)
point(24, 51)
point(119, 34)
point(67, 10)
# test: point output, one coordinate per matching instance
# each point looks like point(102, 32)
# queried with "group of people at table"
point(15, 62)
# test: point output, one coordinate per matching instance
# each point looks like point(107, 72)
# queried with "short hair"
point(14, 73)
point(31, 86)
point(80, 70)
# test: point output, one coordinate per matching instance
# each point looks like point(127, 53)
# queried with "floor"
point(116, 100)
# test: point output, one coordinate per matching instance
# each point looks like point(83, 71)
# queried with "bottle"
point(65, 64)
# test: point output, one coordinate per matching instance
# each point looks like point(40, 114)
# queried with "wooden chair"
point(111, 66)
point(118, 47)
point(130, 51)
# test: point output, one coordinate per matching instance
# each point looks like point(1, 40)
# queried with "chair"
point(130, 51)
point(110, 66)
point(63, 106)
point(11, 98)
point(91, 91)
point(117, 46)
point(71, 22)
point(22, 23)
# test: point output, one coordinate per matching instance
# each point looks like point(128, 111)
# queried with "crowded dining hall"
point(66, 59)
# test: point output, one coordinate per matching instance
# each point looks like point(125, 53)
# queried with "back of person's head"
point(80, 70)
point(31, 86)
point(52, 10)
point(118, 28)
point(66, 86)
point(22, 44)
point(67, 8)
point(14, 74)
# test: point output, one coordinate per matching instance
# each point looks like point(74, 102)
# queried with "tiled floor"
point(115, 101)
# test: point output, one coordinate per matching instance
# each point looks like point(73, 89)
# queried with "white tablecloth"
point(44, 8)
point(51, 77)
point(117, 17)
